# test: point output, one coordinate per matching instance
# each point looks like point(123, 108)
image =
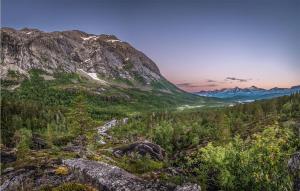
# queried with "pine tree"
point(79, 120)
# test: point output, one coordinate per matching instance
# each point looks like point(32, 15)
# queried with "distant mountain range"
point(248, 94)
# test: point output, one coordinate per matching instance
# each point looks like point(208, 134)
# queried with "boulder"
point(143, 148)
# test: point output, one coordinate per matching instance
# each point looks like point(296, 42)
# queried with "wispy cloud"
point(237, 79)
point(191, 85)
point(211, 81)
point(209, 85)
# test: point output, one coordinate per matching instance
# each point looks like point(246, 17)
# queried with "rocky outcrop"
point(142, 148)
point(294, 168)
point(106, 177)
point(99, 175)
point(75, 51)
point(33, 177)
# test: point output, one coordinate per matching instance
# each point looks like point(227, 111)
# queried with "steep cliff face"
point(101, 57)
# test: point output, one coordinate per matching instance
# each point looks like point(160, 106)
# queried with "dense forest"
point(244, 147)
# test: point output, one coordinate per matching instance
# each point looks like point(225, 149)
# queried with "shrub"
point(259, 164)
point(23, 138)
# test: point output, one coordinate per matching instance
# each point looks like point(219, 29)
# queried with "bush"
point(259, 164)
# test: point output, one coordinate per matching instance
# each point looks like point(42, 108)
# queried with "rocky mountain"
point(249, 94)
point(102, 58)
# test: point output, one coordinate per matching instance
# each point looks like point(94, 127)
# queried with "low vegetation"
point(245, 147)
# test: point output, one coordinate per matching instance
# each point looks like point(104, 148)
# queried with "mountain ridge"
point(100, 57)
point(248, 94)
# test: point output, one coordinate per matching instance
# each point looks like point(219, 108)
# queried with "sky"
point(198, 45)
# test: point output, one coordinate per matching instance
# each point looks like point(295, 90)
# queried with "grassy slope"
point(65, 87)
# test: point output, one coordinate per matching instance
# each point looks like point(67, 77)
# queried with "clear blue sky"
point(205, 44)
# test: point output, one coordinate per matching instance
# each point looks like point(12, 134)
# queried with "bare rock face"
point(97, 56)
point(106, 177)
point(142, 148)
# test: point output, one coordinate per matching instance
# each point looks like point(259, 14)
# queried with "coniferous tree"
point(79, 120)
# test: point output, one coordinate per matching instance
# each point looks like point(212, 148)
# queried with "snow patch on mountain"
point(112, 40)
point(90, 37)
point(93, 76)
